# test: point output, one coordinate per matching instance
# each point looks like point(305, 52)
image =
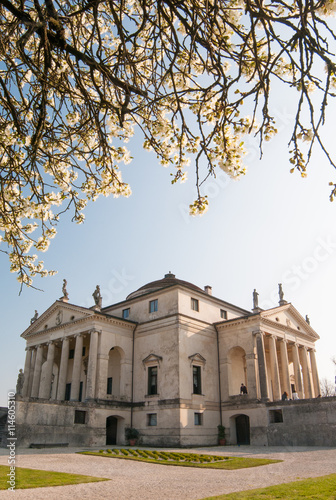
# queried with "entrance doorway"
point(111, 430)
point(243, 429)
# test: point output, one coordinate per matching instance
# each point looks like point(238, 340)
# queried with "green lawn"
point(32, 478)
point(319, 488)
point(183, 459)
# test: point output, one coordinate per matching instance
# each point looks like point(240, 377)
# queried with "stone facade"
point(168, 361)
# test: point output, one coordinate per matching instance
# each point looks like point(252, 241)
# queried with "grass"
point(183, 459)
point(33, 478)
point(319, 488)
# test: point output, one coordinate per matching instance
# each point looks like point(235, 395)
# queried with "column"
point(37, 372)
point(274, 368)
point(307, 384)
point(262, 364)
point(31, 372)
point(45, 390)
point(63, 370)
point(225, 379)
point(92, 366)
point(76, 370)
point(251, 378)
point(316, 380)
point(284, 367)
point(102, 369)
point(297, 370)
point(26, 372)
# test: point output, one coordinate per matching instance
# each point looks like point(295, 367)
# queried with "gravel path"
point(130, 480)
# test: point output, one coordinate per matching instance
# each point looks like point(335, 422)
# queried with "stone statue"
point(97, 296)
point(19, 383)
point(34, 318)
point(281, 294)
point(307, 319)
point(255, 299)
point(64, 290)
point(59, 318)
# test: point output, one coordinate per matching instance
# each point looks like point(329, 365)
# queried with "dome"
point(168, 280)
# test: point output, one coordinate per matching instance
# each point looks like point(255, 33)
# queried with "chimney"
point(208, 289)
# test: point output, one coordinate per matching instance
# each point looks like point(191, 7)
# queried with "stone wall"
point(309, 422)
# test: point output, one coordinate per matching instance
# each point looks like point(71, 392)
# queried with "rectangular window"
point(80, 391)
point(152, 419)
point(71, 353)
point(152, 380)
point(197, 386)
point(194, 305)
point(125, 313)
point(109, 385)
point(275, 416)
point(198, 418)
point(80, 417)
point(67, 392)
point(153, 305)
point(83, 351)
point(223, 314)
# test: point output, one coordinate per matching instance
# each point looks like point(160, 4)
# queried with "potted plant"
point(131, 435)
point(221, 435)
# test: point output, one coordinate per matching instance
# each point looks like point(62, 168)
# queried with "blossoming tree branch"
point(79, 78)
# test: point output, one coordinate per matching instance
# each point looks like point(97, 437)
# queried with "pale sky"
point(270, 227)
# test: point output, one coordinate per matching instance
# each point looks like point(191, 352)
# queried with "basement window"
point(80, 417)
point(275, 416)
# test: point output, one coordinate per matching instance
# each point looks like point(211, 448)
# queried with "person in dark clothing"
point(243, 389)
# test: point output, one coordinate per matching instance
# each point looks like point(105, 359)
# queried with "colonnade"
point(32, 386)
point(306, 378)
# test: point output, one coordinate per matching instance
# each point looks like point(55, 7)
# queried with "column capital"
point(94, 330)
point(258, 332)
point(282, 339)
point(30, 348)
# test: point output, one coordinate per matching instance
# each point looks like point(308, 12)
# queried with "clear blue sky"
point(269, 227)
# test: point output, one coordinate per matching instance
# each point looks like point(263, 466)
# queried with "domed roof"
point(168, 280)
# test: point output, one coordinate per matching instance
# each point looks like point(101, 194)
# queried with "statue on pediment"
point(19, 383)
point(64, 290)
point(34, 318)
point(97, 296)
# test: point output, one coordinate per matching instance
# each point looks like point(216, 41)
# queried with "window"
point(80, 417)
point(67, 392)
point(83, 351)
point(152, 380)
point(275, 416)
point(198, 418)
point(152, 419)
point(197, 387)
point(153, 305)
point(109, 386)
point(125, 313)
point(194, 305)
point(223, 314)
point(80, 391)
point(71, 353)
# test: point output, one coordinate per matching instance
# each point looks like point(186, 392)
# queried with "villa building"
point(170, 361)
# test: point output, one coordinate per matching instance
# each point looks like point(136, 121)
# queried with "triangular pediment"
point(287, 317)
point(58, 314)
